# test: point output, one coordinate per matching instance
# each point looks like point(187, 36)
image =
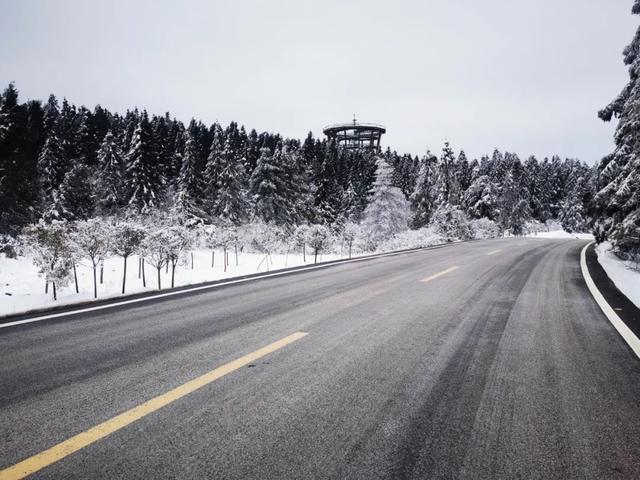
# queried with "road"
point(503, 367)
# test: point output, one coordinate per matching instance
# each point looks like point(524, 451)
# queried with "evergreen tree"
point(268, 189)
point(187, 200)
point(75, 200)
point(388, 211)
point(617, 203)
point(231, 203)
point(447, 182)
point(142, 173)
point(109, 181)
point(423, 199)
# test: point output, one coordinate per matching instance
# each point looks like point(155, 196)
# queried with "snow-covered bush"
point(421, 238)
point(52, 252)
point(9, 246)
point(482, 228)
point(451, 223)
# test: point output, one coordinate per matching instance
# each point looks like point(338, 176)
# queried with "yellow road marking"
point(494, 252)
point(77, 442)
point(444, 272)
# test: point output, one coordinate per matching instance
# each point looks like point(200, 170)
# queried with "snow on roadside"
point(620, 272)
point(561, 234)
point(22, 290)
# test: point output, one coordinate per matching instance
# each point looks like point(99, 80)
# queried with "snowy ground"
point(626, 279)
point(21, 289)
point(561, 234)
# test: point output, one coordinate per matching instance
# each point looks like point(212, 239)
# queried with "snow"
point(620, 272)
point(22, 290)
point(561, 234)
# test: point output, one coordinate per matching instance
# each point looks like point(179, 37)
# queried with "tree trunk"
point(139, 267)
point(101, 272)
point(315, 256)
point(55, 295)
point(95, 283)
point(144, 279)
point(159, 284)
point(304, 252)
point(349, 251)
point(224, 259)
point(46, 287)
point(124, 274)
point(213, 257)
point(236, 247)
point(75, 278)
point(191, 262)
point(173, 273)
point(166, 270)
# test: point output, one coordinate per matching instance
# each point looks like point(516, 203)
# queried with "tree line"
point(68, 163)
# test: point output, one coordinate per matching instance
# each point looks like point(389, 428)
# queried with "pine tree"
point(51, 165)
point(76, 197)
point(109, 181)
point(388, 211)
point(187, 204)
point(617, 203)
point(447, 182)
point(231, 203)
point(268, 189)
point(423, 198)
point(143, 177)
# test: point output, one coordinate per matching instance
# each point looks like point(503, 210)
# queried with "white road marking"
point(616, 321)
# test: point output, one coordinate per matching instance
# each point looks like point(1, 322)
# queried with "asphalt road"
point(502, 368)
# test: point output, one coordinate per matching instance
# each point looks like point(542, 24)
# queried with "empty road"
point(481, 360)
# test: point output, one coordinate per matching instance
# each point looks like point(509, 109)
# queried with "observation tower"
point(356, 136)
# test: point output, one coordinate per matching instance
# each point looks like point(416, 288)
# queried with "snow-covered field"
point(21, 289)
point(626, 278)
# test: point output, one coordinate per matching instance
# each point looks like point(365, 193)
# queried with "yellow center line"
point(444, 272)
point(86, 438)
point(494, 252)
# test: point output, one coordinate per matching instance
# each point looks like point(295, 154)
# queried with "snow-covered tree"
point(126, 239)
point(187, 204)
point(52, 252)
point(451, 223)
point(154, 249)
point(618, 199)
point(350, 233)
point(51, 165)
point(109, 180)
point(318, 238)
point(143, 176)
point(424, 196)
point(269, 189)
point(76, 198)
point(230, 202)
point(388, 210)
point(92, 238)
point(179, 241)
point(299, 238)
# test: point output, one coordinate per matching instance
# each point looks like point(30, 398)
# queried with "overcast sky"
point(525, 76)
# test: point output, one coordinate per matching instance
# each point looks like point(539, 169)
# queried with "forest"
point(59, 162)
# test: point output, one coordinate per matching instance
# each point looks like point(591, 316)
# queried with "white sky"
point(525, 76)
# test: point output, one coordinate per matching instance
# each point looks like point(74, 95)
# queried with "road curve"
point(503, 367)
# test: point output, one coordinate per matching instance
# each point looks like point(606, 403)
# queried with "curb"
point(623, 329)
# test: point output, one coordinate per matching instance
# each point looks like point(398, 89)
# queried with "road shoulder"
point(621, 312)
